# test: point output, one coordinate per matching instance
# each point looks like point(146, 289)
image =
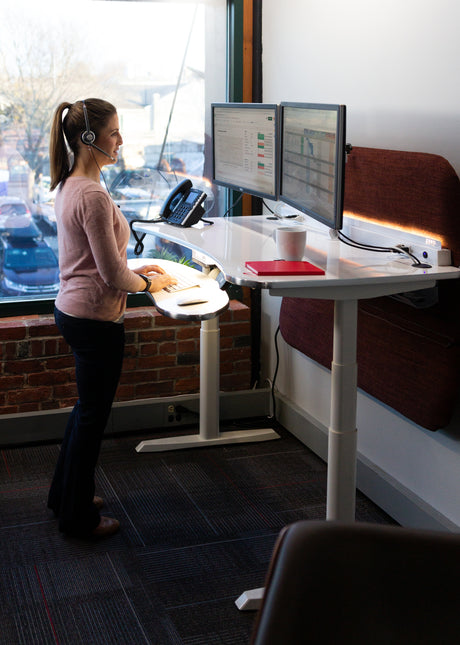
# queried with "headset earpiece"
point(88, 137)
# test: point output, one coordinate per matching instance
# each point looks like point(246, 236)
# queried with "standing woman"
point(94, 282)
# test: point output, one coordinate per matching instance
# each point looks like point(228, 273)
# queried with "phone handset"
point(183, 206)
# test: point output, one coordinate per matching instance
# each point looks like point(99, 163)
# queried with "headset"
point(88, 137)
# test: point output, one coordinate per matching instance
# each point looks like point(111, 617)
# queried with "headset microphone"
point(88, 137)
point(93, 145)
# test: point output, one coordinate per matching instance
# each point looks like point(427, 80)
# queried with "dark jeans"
point(98, 350)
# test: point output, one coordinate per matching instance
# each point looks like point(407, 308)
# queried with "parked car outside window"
point(29, 266)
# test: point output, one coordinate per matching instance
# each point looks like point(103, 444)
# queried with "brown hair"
point(66, 133)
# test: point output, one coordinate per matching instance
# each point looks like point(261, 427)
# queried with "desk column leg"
point(209, 378)
point(209, 433)
point(342, 447)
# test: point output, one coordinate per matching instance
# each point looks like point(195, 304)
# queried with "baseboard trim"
point(390, 495)
point(134, 416)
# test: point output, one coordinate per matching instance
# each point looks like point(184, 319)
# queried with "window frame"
point(239, 84)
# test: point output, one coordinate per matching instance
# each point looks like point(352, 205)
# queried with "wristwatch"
point(148, 282)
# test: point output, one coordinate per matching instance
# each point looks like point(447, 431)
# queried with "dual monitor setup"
point(292, 152)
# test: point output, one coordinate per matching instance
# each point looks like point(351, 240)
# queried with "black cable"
point(268, 207)
point(230, 208)
point(275, 374)
point(139, 247)
point(361, 245)
point(381, 249)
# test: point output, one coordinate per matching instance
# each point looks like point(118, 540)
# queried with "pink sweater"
point(92, 239)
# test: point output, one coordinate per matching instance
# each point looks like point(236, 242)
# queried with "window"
point(160, 63)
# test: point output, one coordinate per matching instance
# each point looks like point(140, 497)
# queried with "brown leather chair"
point(361, 584)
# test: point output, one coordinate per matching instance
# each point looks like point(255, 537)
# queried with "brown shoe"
point(98, 501)
point(107, 526)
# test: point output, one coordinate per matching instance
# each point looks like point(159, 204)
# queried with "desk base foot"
point(250, 600)
point(196, 441)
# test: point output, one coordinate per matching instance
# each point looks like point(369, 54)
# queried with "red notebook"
point(283, 267)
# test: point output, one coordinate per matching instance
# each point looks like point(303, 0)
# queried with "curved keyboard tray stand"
point(208, 313)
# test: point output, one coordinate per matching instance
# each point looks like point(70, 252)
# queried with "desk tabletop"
point(349, 272)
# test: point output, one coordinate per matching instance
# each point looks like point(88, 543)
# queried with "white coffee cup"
point(290, 242)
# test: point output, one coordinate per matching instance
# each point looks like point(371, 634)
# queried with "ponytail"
point(59, 155)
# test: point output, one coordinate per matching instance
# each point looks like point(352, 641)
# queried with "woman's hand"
point(160, 279)
point(159, 282)
point(148, 268)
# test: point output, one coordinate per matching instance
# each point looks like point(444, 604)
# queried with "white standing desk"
point(350, 275)
point(215, 302)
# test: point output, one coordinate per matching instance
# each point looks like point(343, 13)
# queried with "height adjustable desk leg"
point(342, 445)
point(209, 433)
point(209, 378)
point(341, 463)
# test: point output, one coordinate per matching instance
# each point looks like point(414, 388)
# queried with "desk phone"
point(183, 206)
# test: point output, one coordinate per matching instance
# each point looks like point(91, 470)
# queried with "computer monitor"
point(245, 147)
point(312, 160)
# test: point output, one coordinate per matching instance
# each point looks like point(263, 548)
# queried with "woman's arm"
point(99, 224)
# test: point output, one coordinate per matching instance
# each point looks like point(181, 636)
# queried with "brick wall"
point(161, 359)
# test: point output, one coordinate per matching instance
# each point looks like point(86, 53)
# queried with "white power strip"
point(426, 249)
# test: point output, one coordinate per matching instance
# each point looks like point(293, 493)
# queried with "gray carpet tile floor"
point(197, 529)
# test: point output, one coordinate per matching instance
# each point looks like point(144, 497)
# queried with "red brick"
point(188, 332)
point(172, 373)
point(130, 350)
point(226, 343)
point(60, 362)
point(62, 347)
point(138, 322)
point(187, 346)
point(148, 349)
point(188, 358)
point(147, 391)
point(235, 382)
point(226, 368)
point(12, 331)
point(233, 355)
point(242, 366)
point(11, 382)
point(129, 364)
point(153, 362)
point(163, 321)
point(65, 391)
point(10, 351)
point(131, 338)
point(9, 409)
point(68, 402)
point(29, 394)
point(187, 386)
point(167, 348)
point(125, 393)
point(48, 378)
point(24, 366)
point(139, 376)
point(48, 405)
point(156, 335)
point(235, 329)
point(42, 328)
point(29, 407)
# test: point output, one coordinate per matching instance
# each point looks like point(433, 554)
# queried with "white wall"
point(396, 65)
